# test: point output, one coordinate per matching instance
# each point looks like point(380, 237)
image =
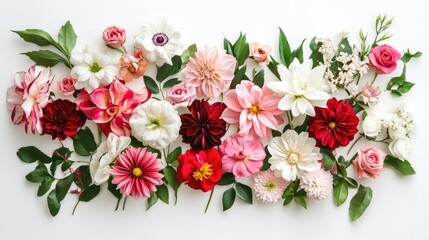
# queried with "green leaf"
point(291, 188)
point(89, 193)
point(37, 36)
point(287, 200)
point(136, 143)
point(31, 154)
point(151, 200)
point(171, 82)
point(276, 133)
point(170, 176)
point(82, 177)
point(63, 186)
point(84, 143)
point(403, 167)
point(228, 199)
point(188, 53)
point(344, 46)
point(113, 189)
point(405, 87)
point(316, 56)
point(284, 49)
point(266, 165)
point(167, 70)
point(408, 55)
point(53, 203)
point(174, 155)
point(299, 53)
point(351, 182)
point(341, 192)
point(396, 81)
point(258, 79)
point(67, 38)
point(66, 165)
point(241, 50)
point(227, 45)
point(46, 58)
point(300, 201)
point(238, 77)
point(44, 186)
point(162, 193)
point(151, 84)
point(244, 192)
point(360, 202)
point(328, 159)
point(154, 150)
point(227, 179)
point(272, 66)
point(38, 175)
point(61, 154)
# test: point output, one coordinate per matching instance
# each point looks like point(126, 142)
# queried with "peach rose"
point(114, 37)
point(67, 85)
point(260, 53)
point(384, 58)
point(369, 162)
point(132, 67)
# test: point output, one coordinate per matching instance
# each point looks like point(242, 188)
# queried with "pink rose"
point(67, 85)
point(260, 53)
point(181, 95)
point(369, 162)
point(114, 37)
point(384, 58)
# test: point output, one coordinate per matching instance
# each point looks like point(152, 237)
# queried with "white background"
point(399, 207)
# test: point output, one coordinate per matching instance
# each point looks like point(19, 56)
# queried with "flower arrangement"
point(289, 125)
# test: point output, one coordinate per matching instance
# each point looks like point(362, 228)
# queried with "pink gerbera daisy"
point(136, 172)
point(253, 108)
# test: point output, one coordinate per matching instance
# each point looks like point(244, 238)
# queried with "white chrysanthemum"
point(105, 155)
point(160, 41)
point(303, 88)
point(317, 184)
point(291, 154)
point(268, 187)
point(93, 68)
point(155, 123)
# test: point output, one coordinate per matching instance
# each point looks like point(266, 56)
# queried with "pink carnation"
point(242, 156)
point(29, 96)
point(210, 71)
point(111, 106)
point(254, 109)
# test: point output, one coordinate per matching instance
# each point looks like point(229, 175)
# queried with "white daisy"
point(291, 154)
point(155, 123)
point(302, 88)
point(160, 41)
point(93, 68)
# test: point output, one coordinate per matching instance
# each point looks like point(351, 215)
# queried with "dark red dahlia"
point(202, 128)
point(61, 119)
point(200, 169)
point(335, 125)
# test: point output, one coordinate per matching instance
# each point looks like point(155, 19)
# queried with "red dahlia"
point(202, 128)
point(61, 119)
point(335, 125)
point(200, 169)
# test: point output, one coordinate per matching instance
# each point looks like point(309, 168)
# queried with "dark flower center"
point(160, 39)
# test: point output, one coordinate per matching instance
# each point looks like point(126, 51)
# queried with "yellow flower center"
point(254, 109)
point(332, 125)
point(137, 172)
point(270, 186)
point(204, 172)
point(292, 159)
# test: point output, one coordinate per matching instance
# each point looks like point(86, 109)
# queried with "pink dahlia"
point(111, 107)
point(136, 171)
point(210, 71)
point(242, 156)
point(254, 109)
point(29, 96)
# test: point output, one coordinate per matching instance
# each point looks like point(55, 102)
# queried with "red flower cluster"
point(61, 119)
point(200, 169)
point(202, 128)
point(335, 125)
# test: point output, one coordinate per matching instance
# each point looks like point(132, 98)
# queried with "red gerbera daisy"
point(202, 128)
point(200, 169)
point(335, 125)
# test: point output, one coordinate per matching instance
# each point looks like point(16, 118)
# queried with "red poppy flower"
point(202, 128)
point(200, 169)
point(335, 125)
point(62, 119)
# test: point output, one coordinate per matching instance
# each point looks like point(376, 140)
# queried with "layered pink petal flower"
point(111, 107)
point(29, 96)
point(254, 109)
point(242, 156)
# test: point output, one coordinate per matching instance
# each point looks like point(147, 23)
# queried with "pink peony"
point(253, 108)
point(210, 71)
point(67, 85)
point(111, 107)
point(369, 162)
point(242, 156)
point(29, 96)
point(370, 95)
point(181, 95)
point(132, 66)
point(260, 53)
point(114, 37)
point(384, 58)
point(136, 171)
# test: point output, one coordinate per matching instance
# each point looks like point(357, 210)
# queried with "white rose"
point(397, 131)
point(401, 148)
point(371, 126)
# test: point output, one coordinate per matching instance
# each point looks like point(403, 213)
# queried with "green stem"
point(208, 202)
point(75, 206)
point(290, 119)
point(354, 143)
point(99, 136)
point(123, 205)
point(375, 77)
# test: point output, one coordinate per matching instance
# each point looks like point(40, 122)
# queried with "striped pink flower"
point(136, 171)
